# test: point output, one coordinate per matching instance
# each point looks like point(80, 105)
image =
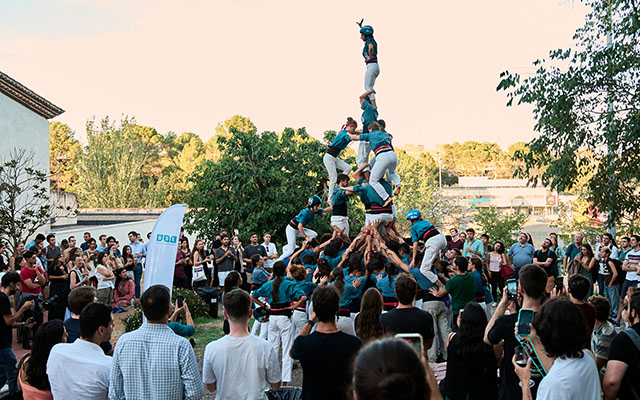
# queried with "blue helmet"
point(367, 30)
point(314, 201)
point(414, 214)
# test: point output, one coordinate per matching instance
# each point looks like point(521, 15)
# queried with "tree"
point(63, 151)
point(259, 182)
point(420, 190)
point(587, 109)
point(579, 216)
point(114, 166)
point(24, 200)
point(183, 155)
point(499, 226)
point(224, 129)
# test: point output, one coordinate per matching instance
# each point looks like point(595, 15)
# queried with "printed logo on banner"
point(160, 238)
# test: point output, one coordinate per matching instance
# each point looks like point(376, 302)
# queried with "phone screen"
point(560, 283)
point(415, 340)
point(525, 317)
point(512, 288)
point(180, 301)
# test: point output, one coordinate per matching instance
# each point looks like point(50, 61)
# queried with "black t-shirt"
point(503, 330)
point(5, 331)
point(250, 251)
point(543, 256)
point(326, 360)
point(478, 382)
point(623, 349)
point(408, 320)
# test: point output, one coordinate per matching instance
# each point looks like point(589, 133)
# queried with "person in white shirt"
point(558, 335)
point(80, 370)
point(272, 251)
point(240, 365)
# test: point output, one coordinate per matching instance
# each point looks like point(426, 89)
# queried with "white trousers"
point(281, 329)
point(341, 222)
point(385, 163)
point(263, 327)
point(333, 164)
point(432, 247)
point(292, 234)
point(298, 319)
point(362, 155)
point(370, 75)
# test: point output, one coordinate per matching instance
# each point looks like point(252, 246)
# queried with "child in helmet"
point(434, 241)
point(296, 227)
point(370, 54)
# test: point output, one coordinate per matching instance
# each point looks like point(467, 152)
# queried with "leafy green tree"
point(224, 129)
point(259, 182)
point(578, 216)
point(499, 226)
point(114, 167)
point(24, 200)
point(183, 155)
point(587, 109)
point(63, 151)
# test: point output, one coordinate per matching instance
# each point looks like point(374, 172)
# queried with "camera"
point(40, 304)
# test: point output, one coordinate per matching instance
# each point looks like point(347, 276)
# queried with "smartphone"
point(180, 301)
point(560, 283)
point(525, 317)
point(414, 340)
point(512, 289)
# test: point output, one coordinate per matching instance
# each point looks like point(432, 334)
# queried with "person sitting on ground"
point(623, 368)
point(327, 353)
point(124, 289)
point(392, 369)
point(184, 330)
point(152, 361)
point(80, 370)
point(240, 365)
point(472, 364)
point(558, 334)
point(603, 332)
point(406, 318)
point(32, 374)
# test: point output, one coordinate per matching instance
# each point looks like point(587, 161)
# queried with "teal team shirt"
point(369, 113)
point(365, 51)
point(368, 195)
point(339, 197)
point(341, 140)
point(376, 139)
point(305, 216)
point(288, 291)
point(351, 292)
point(419, 228)
point(387, 286)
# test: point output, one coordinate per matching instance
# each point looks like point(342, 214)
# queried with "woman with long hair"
point(71, 256)
point(280, 293)
point(231, 282)
point(187, 265)
point(106, 279)
point(471, 363)
point(124, 289)
point(129, 263)
point(301, 315)
point(367, 322)
point(200, 260)
point(497, 259)
point(32, 374)
point(587, 262)
point(59, 287)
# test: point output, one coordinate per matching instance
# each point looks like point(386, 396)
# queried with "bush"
point(196, 305)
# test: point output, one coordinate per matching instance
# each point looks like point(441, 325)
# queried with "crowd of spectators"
point(333, 306)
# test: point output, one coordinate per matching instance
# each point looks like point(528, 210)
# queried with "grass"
point(207, 330)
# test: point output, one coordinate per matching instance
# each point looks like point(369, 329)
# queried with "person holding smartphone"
point(531, 290)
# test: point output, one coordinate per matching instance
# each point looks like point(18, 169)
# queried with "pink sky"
point(185, 66)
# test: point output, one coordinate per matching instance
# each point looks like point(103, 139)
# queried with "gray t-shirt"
point(227, 263)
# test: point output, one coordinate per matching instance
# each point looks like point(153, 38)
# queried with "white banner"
point(163, 247)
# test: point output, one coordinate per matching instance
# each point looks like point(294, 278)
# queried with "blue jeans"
point(137, 276)
point(626, 285)
point(8, 368)
point(613, 295)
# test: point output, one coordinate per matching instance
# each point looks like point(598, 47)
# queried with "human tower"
point(376, 178)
